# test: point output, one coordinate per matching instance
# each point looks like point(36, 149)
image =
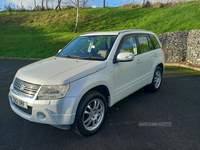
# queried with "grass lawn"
point(33, 45)
point(41, 34)
point(183, 70)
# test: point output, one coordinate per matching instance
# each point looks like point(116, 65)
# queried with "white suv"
point(93, 72)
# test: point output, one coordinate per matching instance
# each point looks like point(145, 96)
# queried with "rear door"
point(149, 55)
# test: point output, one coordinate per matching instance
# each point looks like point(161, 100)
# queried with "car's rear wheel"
point(156, 81)
point(90, 114)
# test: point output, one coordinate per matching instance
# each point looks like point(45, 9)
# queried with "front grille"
point(28, 111)
point(25, 88)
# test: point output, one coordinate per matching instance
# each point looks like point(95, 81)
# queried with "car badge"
point(22, 87)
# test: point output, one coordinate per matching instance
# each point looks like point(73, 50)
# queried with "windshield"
point(89, 47)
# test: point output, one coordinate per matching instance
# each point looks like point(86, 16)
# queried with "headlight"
point(48, 92)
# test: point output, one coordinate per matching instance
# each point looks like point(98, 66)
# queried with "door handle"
point(138, 61)
point(155, 55)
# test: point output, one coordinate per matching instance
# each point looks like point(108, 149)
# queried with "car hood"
point(56, 70)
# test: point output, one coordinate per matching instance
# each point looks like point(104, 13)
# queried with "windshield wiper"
point(71, 56)
point(92, 57)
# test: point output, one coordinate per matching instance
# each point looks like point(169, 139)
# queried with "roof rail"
point(127, 30)
point(87, 33)
point(119, 32)
point(122, 31)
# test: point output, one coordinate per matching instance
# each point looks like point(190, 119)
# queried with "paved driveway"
point(167, 119)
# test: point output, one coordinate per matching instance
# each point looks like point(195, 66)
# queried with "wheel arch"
point(161, 65)
point(101, 89)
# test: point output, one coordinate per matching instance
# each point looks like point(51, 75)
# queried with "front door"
point(127, 74)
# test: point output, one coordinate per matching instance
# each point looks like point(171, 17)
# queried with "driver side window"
point(129, 45)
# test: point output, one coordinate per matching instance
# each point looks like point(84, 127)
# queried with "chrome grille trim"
point(25, 88)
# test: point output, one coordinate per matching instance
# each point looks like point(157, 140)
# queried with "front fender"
point(80, 87)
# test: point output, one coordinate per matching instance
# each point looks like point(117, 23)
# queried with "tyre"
point(156, 81)
point(90, 114)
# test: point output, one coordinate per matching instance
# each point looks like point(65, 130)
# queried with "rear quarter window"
point(155, 41)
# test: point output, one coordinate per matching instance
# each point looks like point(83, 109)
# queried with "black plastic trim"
point(28, 111)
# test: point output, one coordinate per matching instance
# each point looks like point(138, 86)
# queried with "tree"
point(42, 5)
point(104, 4)
point(84, 2)
point(35, 6)
point(77, 17)
point(76, 3)
point(35, 3)
point(58, 6)
point(52, 1)
point(143, 3)
point(47, 1)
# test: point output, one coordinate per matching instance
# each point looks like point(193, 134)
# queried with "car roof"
point(116, 32)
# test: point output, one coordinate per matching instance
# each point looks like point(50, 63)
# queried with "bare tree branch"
point(58, 6)
point(84, 2)
point(74, 2)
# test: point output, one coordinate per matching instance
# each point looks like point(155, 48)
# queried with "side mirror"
point(59, 50)
point(124, 57)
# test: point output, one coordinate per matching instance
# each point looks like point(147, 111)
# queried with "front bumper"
point(54, 112)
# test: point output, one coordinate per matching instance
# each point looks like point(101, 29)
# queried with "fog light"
point(41, 116)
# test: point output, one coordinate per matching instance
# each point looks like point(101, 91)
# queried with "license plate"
point(19, 102)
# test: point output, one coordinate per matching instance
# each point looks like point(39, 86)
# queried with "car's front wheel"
point(90, 114)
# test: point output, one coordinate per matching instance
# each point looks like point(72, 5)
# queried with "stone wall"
point(181, 46)
point(193, 47)
point(175, 46)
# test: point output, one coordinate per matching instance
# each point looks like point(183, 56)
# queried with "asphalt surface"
point(134, 123)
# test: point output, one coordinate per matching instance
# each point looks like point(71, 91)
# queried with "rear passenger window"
point(143, 44)
point(155, 42)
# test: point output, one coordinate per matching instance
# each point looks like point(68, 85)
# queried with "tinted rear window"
point(155, 42)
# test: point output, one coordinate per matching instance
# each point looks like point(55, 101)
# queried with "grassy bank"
point(33, 45)
point(183, 70)
point(41, 34)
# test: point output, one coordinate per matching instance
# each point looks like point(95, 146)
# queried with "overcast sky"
point(30, 3)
